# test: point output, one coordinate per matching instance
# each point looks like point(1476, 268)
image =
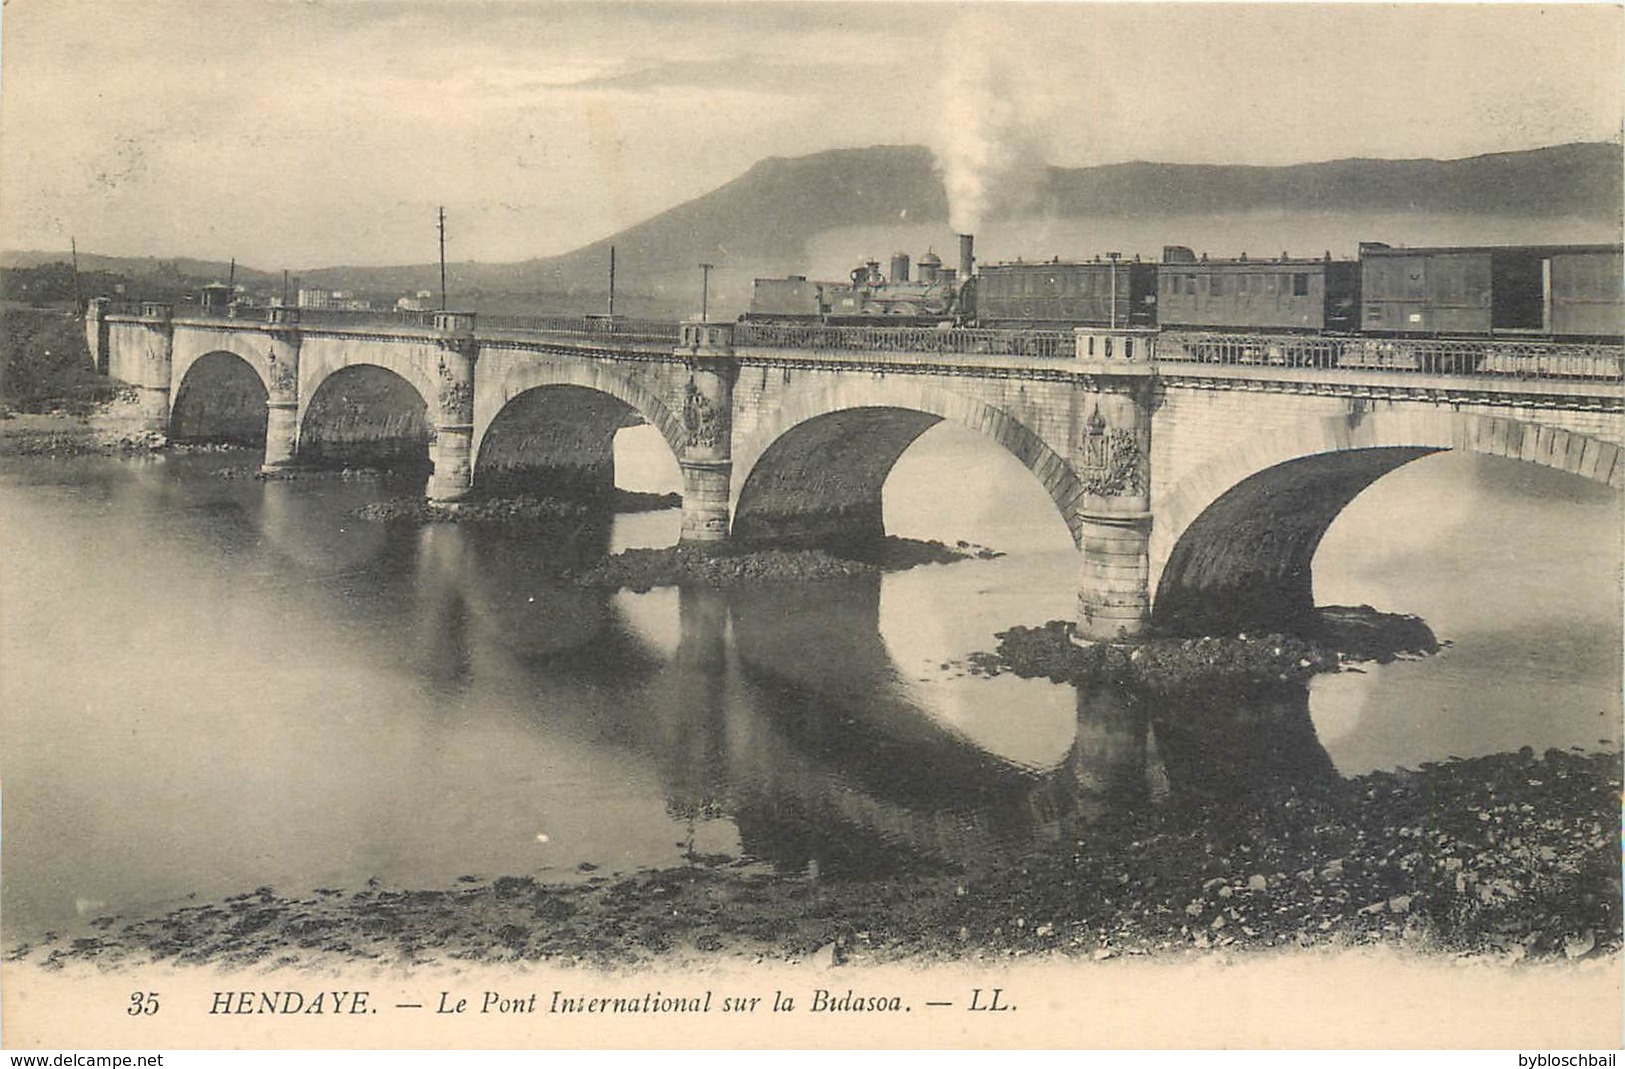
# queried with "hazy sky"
point(298, 133)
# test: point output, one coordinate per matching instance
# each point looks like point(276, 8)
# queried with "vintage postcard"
point(810, 525)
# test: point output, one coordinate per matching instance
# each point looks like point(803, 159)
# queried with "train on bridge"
point(1558, 292)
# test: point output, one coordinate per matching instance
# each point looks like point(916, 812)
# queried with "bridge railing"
point(588, 326)
point(1530, 358)
point(338, 317)
point(365, 317)
point(956, 341)
point(1514, 358)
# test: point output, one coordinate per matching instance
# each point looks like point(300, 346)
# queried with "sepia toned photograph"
point(856, 525)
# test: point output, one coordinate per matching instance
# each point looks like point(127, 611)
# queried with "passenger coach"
point(1243, 294)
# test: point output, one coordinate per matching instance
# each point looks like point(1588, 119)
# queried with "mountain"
point(772, 220)
point(761, 220)
point(1581, 179)
point(818, 214)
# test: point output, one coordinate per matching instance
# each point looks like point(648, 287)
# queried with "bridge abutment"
point(282, 394)
point(157, 364)
point(706, 461)
point(96, 332)
point(1112, 456)
point(452, 451)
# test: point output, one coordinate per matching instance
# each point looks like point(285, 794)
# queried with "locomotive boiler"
point(926, 293)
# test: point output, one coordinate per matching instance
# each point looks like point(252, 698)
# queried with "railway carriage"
point(1059, 295)
point(1563, 291)
point(1249, 295)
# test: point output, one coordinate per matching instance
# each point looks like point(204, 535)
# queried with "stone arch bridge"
point(1197, 482)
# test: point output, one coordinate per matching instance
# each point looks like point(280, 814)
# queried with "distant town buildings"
point(334, 300)
point(421, 301)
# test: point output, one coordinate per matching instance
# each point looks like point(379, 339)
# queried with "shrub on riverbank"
point(45, 364)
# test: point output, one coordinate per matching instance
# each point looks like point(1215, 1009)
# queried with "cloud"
point(298, 130)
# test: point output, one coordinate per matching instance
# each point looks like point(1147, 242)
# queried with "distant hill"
point(1582, 179)
point(142, 266)
point(766, 221)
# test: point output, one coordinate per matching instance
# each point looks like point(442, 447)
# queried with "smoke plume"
point(991, 140)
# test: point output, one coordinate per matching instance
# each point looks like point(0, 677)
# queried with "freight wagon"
point(1560, 291)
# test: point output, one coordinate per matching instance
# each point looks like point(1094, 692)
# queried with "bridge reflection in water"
point(783, 731)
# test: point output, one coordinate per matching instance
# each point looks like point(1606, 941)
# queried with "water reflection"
point(276, 691)
point(1219, 748)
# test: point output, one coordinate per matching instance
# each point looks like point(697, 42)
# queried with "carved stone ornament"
point(456, 398)
point(706, 426)
point(1113, 465)
point(283, 377)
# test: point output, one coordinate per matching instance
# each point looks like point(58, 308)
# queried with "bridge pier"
point(157, 364)
point(707, 457)
point(1112, 456)
point(452, 451)
point(282, 395)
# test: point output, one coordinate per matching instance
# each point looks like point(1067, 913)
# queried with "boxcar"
point(1060, 294)
point(1588, 292)
point(1284, 294)
point(787, 298)
point(1555, 290)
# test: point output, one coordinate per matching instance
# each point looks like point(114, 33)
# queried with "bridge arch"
point(812, 469)
point(552, 427)
point(366, 413)
point(221, 396)
point(1234, 540)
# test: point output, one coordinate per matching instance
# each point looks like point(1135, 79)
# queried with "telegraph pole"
point(705, 292)
point(442, 258)
point(612, 280)
point(78, 299)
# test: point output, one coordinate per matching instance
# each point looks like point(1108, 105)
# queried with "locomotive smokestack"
point(899, 267)
point(967, 256)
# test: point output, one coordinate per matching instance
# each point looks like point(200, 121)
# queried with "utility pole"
point(78, 299)
point(612, 280)
point(284, 287)
point(231, 282)
point(442, 258)
point(705, 292)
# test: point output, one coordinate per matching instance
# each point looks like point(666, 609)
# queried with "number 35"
point(142, 1004)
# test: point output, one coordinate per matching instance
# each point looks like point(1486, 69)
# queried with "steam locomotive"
point(1549, 291)
point(934, 295)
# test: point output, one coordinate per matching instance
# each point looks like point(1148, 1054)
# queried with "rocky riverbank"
point(1337, 635)
point(62, 434)
point(1511, 857)
point(723, 565)
point(518, 508)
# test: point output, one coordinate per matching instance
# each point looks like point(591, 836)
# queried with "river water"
point(213, 684)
